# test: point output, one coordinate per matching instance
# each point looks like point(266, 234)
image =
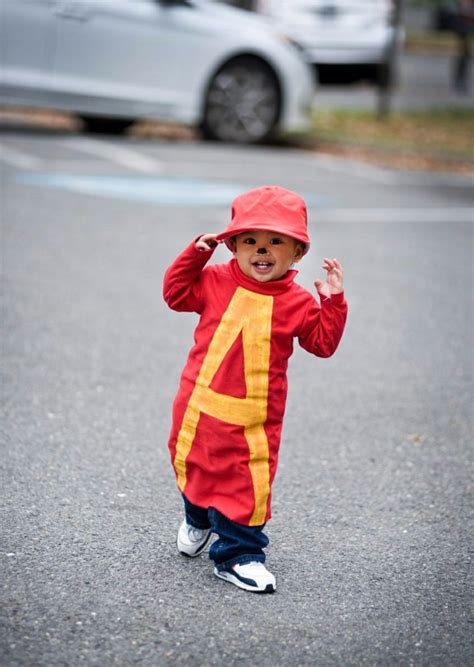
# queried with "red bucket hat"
point(269, 208)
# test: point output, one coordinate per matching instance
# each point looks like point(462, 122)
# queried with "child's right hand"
point(206, 242)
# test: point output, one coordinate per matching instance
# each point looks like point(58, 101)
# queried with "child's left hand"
point(334, 283)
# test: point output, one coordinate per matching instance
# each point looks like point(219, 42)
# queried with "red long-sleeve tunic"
point(228, 412)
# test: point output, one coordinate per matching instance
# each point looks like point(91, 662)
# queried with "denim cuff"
point(195, 524)
point(202, 521)
point(243, 559)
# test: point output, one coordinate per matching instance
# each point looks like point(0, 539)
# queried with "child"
point(228, 413)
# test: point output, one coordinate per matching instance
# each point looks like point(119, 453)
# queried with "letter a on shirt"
point(249, 314)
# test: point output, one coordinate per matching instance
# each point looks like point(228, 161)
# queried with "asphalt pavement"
point(371, 515)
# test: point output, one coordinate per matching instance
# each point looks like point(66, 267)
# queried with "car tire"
point(243, 102)
point(105, 125)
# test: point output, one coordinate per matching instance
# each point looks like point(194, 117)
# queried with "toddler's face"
point(265, 255)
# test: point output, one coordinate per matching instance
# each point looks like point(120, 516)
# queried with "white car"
point(345, 39)
point(188, 61)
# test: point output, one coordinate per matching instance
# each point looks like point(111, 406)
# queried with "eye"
point(249, 241)
point(276, 241)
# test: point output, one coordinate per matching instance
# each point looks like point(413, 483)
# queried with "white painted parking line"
point(378, 215)
point(118, 154)
point(388, 176)
point(189, 192)
point(19, 159)
point(356, 169)
point(136, 161)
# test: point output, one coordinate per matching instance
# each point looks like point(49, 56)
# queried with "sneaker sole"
point(199, 551)
point(227, 576)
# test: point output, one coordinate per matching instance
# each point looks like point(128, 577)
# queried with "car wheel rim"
point(242, 104)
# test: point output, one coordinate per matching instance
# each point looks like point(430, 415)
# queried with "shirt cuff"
point(334, 299)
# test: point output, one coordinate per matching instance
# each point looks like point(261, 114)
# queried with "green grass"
point(431, 42)
point(440, 135)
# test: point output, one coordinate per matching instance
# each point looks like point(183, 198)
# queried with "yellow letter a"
point(251, 314)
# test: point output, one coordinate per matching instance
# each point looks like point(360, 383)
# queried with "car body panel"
point(335, 32)
point(137, 58)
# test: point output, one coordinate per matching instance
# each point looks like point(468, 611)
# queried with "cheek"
point(244, 252)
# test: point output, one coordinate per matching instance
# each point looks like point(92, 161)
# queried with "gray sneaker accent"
point(192, 541)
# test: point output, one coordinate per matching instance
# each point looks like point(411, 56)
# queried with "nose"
point(262, 251)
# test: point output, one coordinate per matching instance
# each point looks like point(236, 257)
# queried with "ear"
point(299, 252)
point(232, 244)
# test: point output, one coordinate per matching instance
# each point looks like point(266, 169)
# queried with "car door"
point(27, 44)
point(118, 57)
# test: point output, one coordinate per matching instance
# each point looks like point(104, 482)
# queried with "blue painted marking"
point(154, 190)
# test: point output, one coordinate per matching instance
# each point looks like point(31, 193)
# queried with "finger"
point(330, 264)
point(336, 279)
point(322, 288)
point(203, 245)
point(208, 238)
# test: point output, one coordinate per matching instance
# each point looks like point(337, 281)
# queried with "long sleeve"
point(228, 412)
point(181, 282)
point(323, 326)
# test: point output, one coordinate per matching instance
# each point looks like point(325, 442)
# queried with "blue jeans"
point(235, 544)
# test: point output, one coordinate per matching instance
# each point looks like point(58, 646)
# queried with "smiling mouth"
point(262, 265)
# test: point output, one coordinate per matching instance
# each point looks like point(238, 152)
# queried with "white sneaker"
point(249, 576)
point(192, 541)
